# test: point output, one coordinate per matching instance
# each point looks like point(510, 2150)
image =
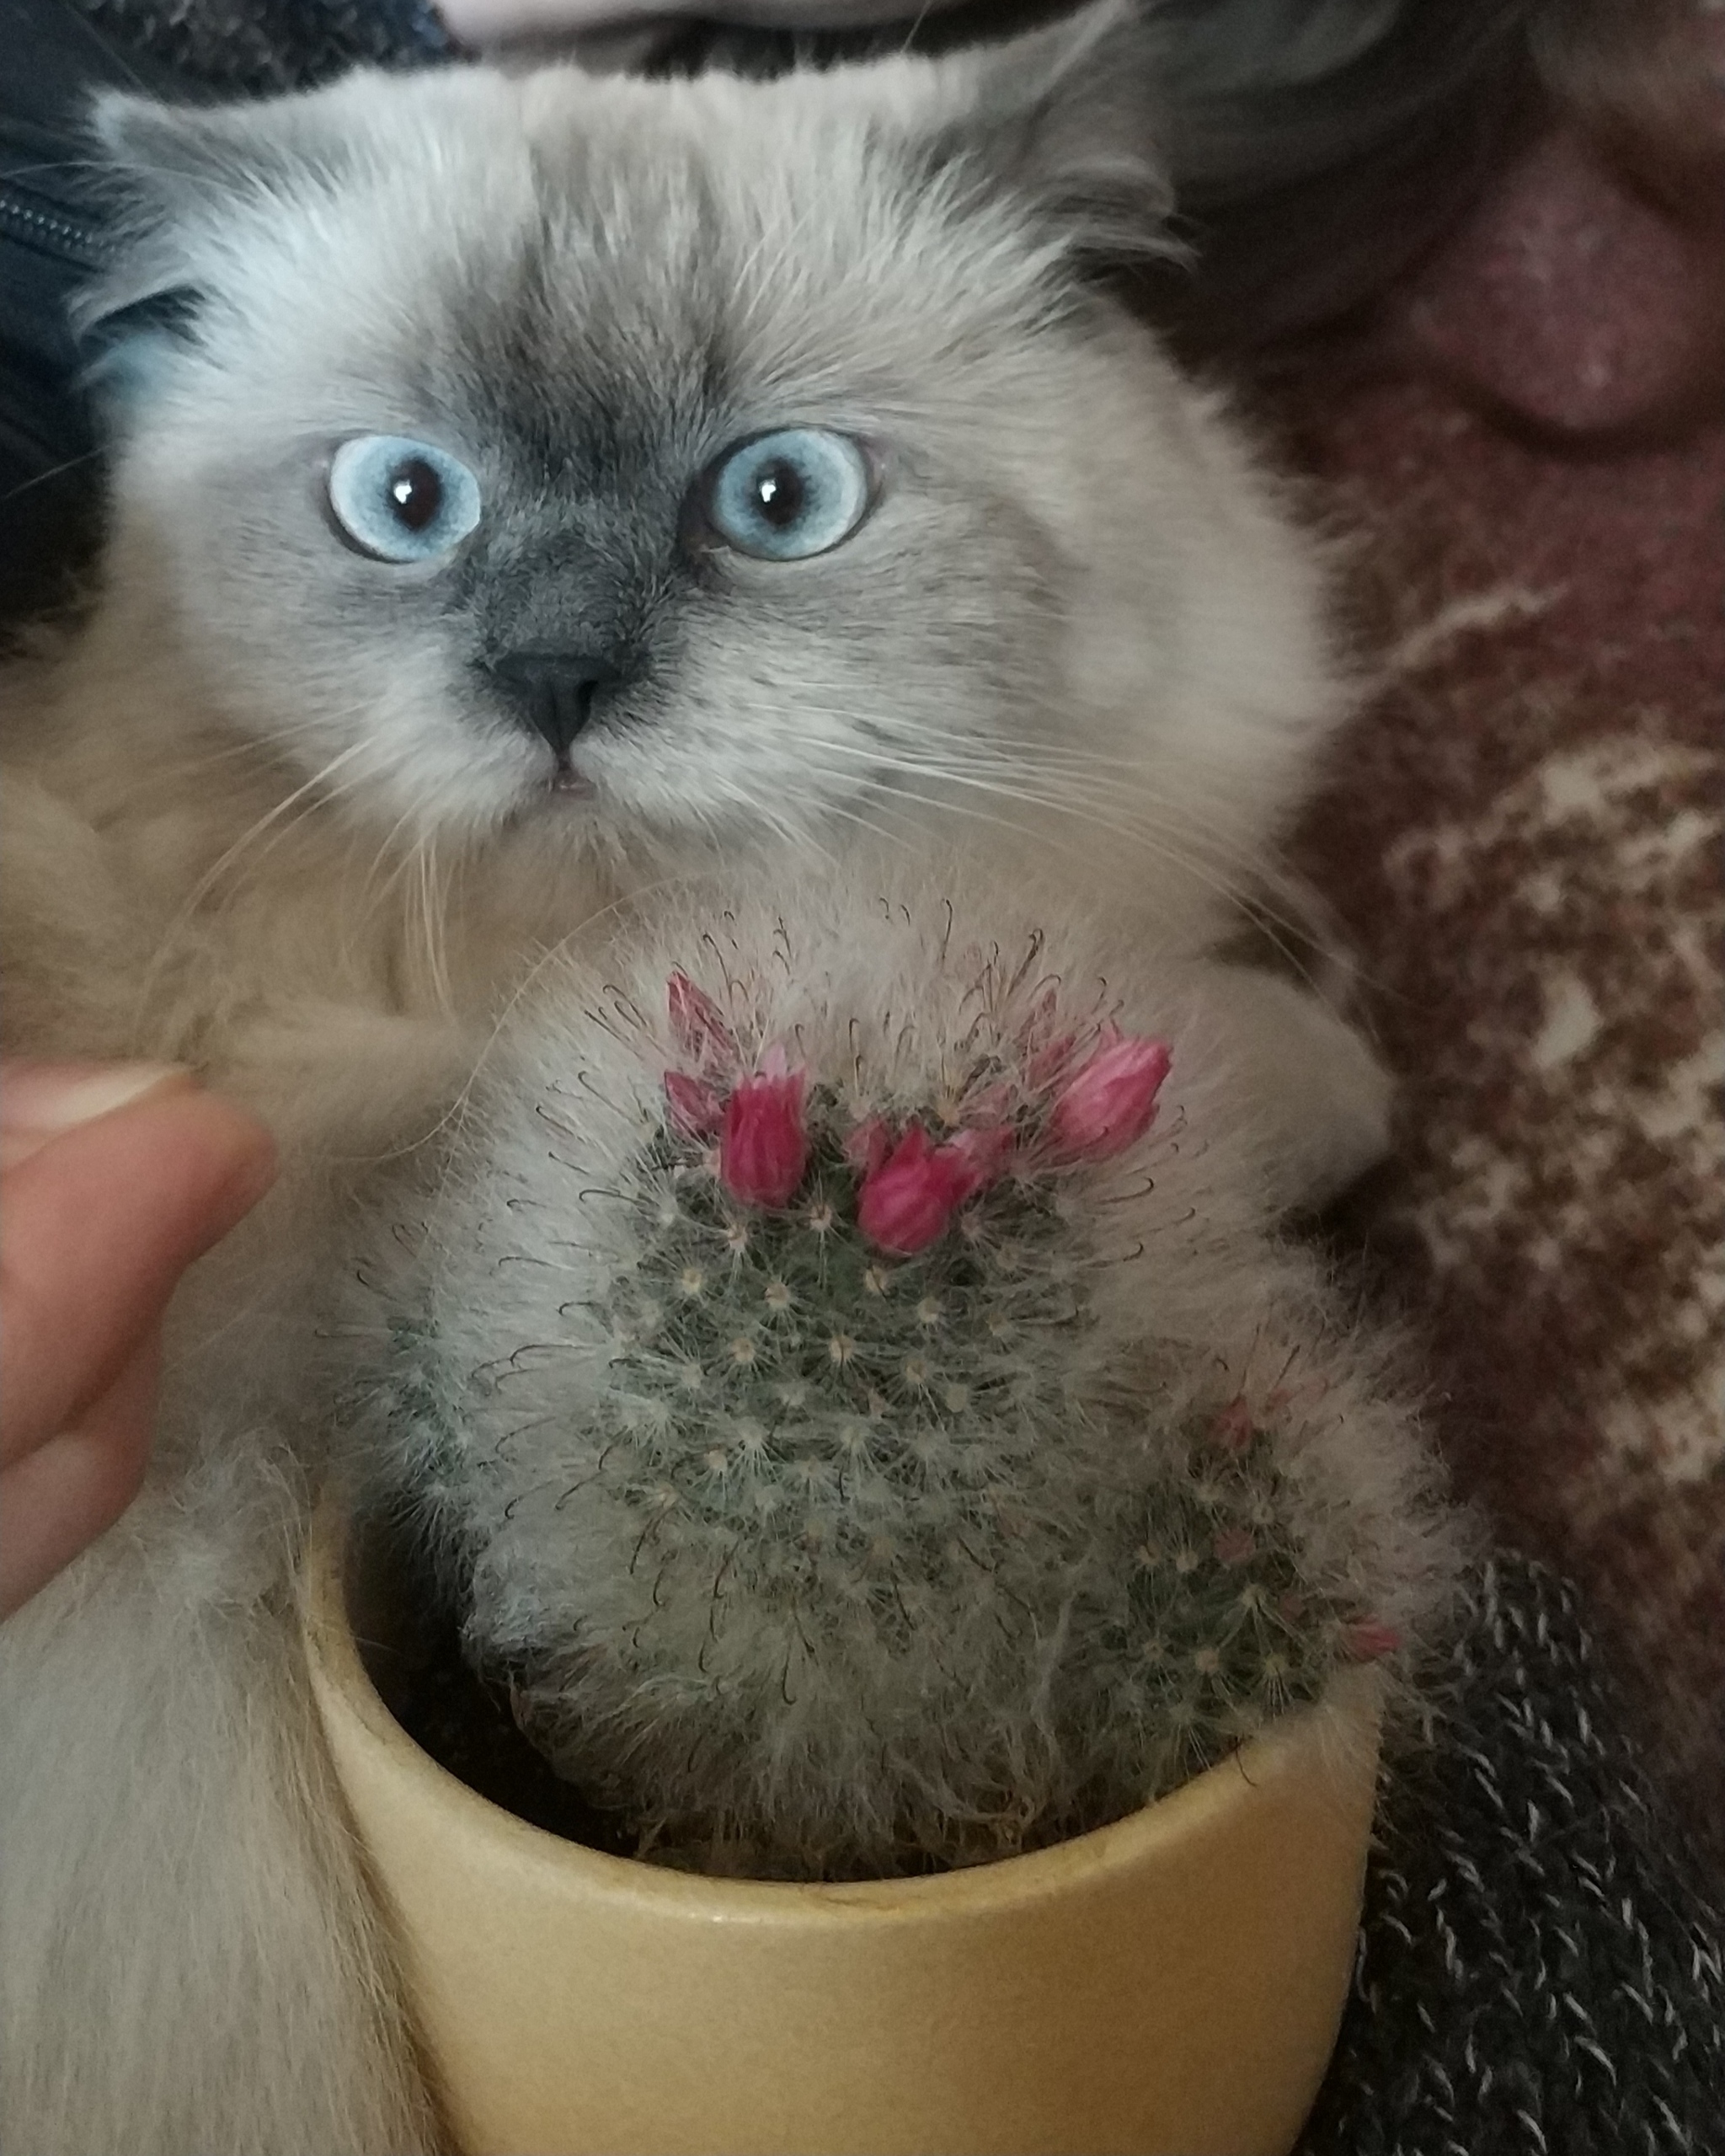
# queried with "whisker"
point(315, 786)
point(1252, 892)
point(53, 472)
point(1247, 880)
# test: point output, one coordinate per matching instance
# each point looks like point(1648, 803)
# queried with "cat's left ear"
point(176, 175)
point(1065, 117)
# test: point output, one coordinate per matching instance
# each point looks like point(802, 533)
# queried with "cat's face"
point(546, 451)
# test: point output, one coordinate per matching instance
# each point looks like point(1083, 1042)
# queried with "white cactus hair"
point(807, 1659)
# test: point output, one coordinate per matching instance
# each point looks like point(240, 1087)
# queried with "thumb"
point(100, 1220)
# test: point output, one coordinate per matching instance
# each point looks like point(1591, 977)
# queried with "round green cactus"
point(835, 1478)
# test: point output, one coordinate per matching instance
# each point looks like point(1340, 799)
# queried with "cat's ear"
point(174, 176)
point(187, 161)
point(1066, 118)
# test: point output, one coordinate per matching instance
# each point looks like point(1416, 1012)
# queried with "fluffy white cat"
point(534, 491)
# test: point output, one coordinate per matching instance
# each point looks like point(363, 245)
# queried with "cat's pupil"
point(779, 493)
point(415, 492)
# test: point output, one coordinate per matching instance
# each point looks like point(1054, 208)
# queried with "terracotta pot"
point(1172, 1983)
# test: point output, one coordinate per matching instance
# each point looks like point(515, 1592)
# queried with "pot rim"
point(1343, 1725)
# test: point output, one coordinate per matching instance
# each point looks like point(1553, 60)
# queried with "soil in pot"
point(409, 1641)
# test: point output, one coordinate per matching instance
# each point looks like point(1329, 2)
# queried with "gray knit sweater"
point(259, 47)
point(1537, 1976)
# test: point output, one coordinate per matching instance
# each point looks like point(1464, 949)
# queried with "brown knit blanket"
point(1523, 839)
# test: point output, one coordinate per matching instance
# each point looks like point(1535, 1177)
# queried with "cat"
point(532, 492)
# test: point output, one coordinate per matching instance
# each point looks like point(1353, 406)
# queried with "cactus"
point(825, 1473)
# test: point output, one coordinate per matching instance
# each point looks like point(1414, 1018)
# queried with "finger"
point(96, 1229)
point(59, 1497)
point(38, 1101)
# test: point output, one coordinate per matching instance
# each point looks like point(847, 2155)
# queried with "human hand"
point(113, 1178)
point(482, 23)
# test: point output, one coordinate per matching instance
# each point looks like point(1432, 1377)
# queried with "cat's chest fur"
point(173, 892)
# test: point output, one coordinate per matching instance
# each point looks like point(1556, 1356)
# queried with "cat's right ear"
point(174, 178)
point(183, 164)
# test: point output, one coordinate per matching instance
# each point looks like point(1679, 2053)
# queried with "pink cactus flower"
point(698, 1027)
point(908, 1201)
point(763, 1146)
point(1050, 1062)
point(1234, 1546)
point(1369, 1640)
point(694, 1109)
point(1232, 1427)
point(1110, 1102)
point(982, 1155)
point(869, 1144)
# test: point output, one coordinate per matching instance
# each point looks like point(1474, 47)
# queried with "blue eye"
point(786, 496)
point(401, 501)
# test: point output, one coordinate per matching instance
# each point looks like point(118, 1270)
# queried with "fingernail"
point(40, 1100)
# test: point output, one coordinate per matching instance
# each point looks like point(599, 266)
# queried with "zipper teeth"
point(84, 244)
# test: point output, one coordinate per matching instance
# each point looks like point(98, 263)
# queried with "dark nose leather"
point(554, 691)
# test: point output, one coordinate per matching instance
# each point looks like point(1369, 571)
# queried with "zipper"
point(52, 230)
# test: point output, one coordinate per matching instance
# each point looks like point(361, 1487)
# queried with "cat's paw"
point(1315, 1093)
point(1351, 1129)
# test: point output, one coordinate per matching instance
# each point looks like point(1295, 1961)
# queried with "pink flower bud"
point(982, 1155)
point(1234, 1546)
point(693, 1109)
point(1232, 1427)
point(1050, 1062)
point(869, 1144)
point(908, 1201)
point(1369, 1640)
point(763, 1148)
point(1110, 1102)
point(698, 1026)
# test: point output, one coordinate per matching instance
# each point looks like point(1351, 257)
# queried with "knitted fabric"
point(1535, 1974)
point(259, 47)
point(1522, 844)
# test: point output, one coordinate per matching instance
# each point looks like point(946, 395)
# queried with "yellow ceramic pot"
point(1169, 1985)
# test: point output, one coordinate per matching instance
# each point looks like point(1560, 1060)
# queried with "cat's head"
point(544, 451)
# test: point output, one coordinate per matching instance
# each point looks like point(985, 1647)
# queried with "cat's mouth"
point(569, 785)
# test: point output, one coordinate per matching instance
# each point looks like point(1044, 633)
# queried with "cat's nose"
point(554, 691)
